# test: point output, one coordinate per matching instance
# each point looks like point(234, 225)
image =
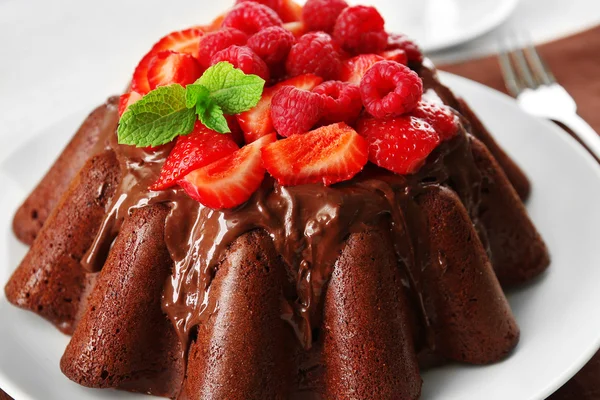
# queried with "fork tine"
point(510, 78)
point(541, 70)
point(522, 68)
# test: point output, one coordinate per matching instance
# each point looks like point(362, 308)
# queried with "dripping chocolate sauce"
point(308, 225)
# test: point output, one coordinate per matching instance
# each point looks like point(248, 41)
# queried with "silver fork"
point(529, 79)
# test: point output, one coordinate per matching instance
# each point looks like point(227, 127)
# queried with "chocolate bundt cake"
point(302, 291)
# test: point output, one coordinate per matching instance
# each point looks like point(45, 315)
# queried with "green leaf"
point(212, 117)
point(230, 88)
point(196, 94)
point(157, 118)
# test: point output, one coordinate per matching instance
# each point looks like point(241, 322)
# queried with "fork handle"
point(584, 132)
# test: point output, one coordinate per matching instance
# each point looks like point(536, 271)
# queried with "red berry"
point(360, 30)
point(244, 58)
point(439, 116)
point(390, 89)
point(217, 41)
point(126, 100)
point(257, 122)
point(341, 102)
point(230, 181)
point(295, 111)
point(251, 17)
point(320, 15)
point(272, 44)
point(399, 144)
point(236, 130)
point(287, 10)
point(353, 69)
point(197, 149)
point(185, 41)
point(272, 4)
point(396, 41)
point(169, 67)
point(330, 154)
point(397, 55)
point(314, 53)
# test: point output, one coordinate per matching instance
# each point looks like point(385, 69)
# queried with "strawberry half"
point(397, 55)
point(289, 11)
point(126, 100)
point(257, 121)
point(298, 28)
point(169, 67)
point(186, 41)
point(230, 181)
point(201, 147)
point(355, 68)
point(329, 154)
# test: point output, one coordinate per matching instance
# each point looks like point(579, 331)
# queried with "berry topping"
point(399, 144)
point(169, 67)
point(215, 25)
point(242, 57)
point(272, 44)
point(397, 55)
point(287, 10)
point(217, 41)
point(329, 154)
point(295, 111)
point(236, 130)
point(185, 41)
point(297, 28)
point(251, 17)
point(126, 100)
point(230, 181)
point(257, 122)
point(360, 30)
point(201, 147)
point(390, 89)
point(395, 41)
point(320, 15)
point(341, 102)
point(353, 69)
point(439, 116)
point(314, 53)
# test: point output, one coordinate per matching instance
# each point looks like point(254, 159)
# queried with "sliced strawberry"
point(297, 28)
point(186, 41)
point(230, 181)
point(397, 55)
point(169, 67)
point(257, 122)
point(201, 147)
point(126, 100)
point(329, 154)
point(289, 11)
point(355, 68)
point(236, 131)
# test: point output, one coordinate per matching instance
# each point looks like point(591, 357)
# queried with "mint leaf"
point(157, 118)
point(196, 94)
point(212, 117)
point(230, 88)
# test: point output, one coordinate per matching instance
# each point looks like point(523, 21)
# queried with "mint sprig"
point(169, 111)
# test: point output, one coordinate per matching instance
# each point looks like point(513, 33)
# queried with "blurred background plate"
point(439, 24)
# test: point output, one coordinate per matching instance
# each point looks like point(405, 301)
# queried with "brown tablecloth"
point(575, 61)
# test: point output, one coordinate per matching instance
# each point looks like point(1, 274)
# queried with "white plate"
point(558, 314)
point(439, 24)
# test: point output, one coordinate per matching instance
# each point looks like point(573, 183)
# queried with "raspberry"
point(389, 89)
point(396, 41)
point(320, 15)
point(244, 58)
point(314, 53)
point(341, 102)
point(295, 110)
point(251, 17)
point(360, 30)
point(443, 120)
point(272, 4)
point(399, 144)
point(272, 44)
point(217, 41)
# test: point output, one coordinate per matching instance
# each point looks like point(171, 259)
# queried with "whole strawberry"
point(390, 89)
point(314, 53)
point(295, 111)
